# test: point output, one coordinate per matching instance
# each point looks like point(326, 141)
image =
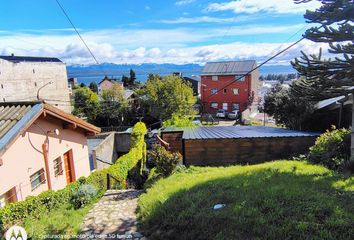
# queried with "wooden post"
point(108, 182)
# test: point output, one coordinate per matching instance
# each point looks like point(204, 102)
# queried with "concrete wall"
point(113, 146)
point(123, 142)
point(25, 157)
point(21, 81)
point(105, 152)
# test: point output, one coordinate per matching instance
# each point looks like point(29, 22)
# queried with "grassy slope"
point(63, 221)
point(277, 200)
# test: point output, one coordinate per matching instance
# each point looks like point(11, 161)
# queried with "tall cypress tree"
point(327, 77)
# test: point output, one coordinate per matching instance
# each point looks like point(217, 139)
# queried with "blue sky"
point(157, 31)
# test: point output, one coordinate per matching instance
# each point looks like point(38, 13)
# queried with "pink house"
point(107, 84)
point(41, 148)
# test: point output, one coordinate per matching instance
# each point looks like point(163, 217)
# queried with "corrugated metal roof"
point(29, 59)
point(15, 116)
point(333, 103)
point(229, 132)
point(11, 114)
point(228, 68)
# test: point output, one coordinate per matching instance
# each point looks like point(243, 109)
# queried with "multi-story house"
point(224, 85)
point(34, 78)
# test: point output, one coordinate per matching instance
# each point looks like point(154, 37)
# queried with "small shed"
point(224, 145)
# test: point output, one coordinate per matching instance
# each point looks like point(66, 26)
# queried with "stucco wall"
point(21, 81)
point(24, 157)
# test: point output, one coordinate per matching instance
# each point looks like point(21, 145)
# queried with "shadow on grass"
point(266, 204)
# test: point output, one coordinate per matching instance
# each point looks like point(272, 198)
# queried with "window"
point(3, 200)
point(240, 77)
point(37, 179)
point(224, 106)
point(214, 78)
point(224, 90)
point(58, 167)
point(214, 91)
point(235, 106)
point(214, 105)
point(35, 84)
point(235, 91)
point(33, 71)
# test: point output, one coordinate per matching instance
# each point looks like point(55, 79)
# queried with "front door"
point(69, 167)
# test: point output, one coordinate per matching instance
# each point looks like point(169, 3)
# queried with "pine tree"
point(93, 87)
point(324, 78)
point(132, 77)
point(327, 77)
point(125, 81)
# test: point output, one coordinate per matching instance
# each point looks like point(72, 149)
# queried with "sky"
point(155, 31)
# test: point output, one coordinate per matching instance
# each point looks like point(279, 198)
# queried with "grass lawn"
point(275, 200)
point(63, 221)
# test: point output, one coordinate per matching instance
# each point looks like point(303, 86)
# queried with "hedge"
point(35, 206)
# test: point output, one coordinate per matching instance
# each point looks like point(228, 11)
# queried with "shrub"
point(83, 195)
point(164, 160)
point(35, 206)
point(332, 149)
point(98, 179)
point(179, 121)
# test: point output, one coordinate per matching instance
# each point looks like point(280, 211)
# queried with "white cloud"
point(77, 54)
point(206, 19)
point(184, 2)
point(131, 38)
point(154, 45)
point(255, 6)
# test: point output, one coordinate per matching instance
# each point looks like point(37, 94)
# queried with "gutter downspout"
point(46, 163)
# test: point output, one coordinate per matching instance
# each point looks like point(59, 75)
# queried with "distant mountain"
point(119, 69)
point(89, 73)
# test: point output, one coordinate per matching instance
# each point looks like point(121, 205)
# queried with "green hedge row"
point(35, 206)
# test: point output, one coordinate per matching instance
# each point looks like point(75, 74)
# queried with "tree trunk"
point(352, 129)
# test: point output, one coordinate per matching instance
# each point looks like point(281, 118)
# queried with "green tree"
point(329, 77)
point(125, 80)
point(113, 106)
point(86, 103)
point(132, 78)
point(167, 96)
point(93, 87)
point(286, 108)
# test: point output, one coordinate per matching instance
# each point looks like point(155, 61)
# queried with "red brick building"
point(236, 96)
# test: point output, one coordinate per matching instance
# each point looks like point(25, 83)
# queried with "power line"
point(82, 39)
